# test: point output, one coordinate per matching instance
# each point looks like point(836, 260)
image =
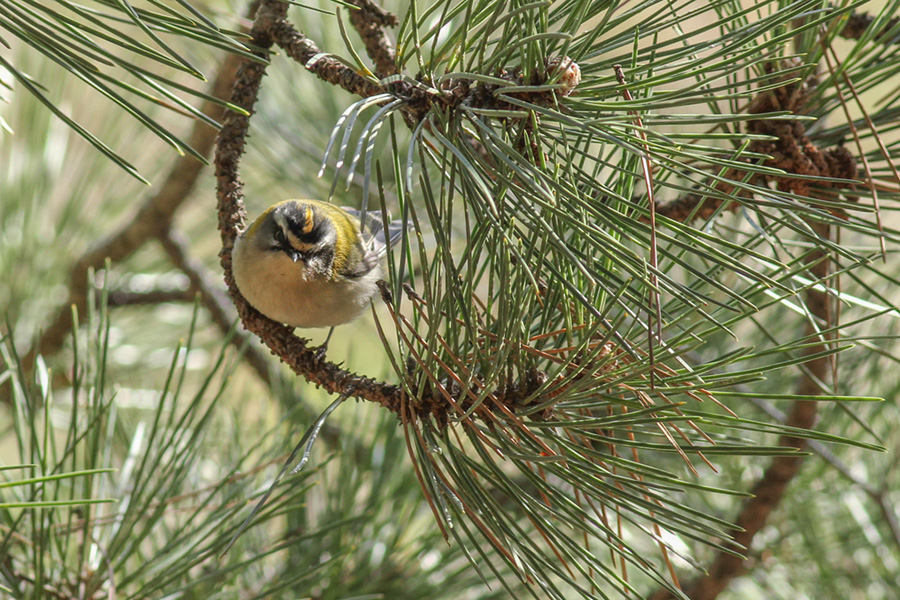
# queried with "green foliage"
point(99, 45)
point(575, 464)
point(577, 362)
point(168, 508)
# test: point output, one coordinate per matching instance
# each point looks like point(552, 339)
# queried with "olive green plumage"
point(306, 263)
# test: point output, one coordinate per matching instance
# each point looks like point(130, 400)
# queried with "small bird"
point(308, 263)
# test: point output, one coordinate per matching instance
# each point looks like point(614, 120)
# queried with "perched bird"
point(308, 263)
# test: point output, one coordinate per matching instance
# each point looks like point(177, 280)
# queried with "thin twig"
point(119, 298)
point(862, 154)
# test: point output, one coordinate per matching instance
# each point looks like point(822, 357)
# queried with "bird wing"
point(373, 231)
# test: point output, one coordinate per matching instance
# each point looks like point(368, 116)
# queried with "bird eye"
point(279, 237)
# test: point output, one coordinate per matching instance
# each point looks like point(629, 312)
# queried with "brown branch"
point(793, 151)
point(120, 298)
point(268, 27)
point(370, 22)
point(879, 495)
point(151, 219)
point(790, 149)
point(303, 50)
point(690, 207)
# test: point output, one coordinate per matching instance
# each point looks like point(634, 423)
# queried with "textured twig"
point(269, 28)
point(789, 148)
point(303, 50)
point(370, 22)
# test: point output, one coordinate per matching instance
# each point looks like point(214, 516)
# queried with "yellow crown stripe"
point(310, 221)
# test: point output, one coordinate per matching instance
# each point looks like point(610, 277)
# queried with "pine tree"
point(631, 344)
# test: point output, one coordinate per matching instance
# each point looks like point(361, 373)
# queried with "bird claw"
point(320, 351)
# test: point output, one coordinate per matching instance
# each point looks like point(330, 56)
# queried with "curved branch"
point(269, 26)
point(304, 51)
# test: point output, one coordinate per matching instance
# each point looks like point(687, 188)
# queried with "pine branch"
point(271, 27)
point(769, 490)
point(878, 494)
point(476, 387)
point(307, 53)
point(119, 298)
point(98, 45)
point(789, 149)
point(525, 392)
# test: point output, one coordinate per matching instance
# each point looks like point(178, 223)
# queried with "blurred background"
point(207, 433)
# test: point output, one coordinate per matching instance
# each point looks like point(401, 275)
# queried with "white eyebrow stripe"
point(281, 222)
